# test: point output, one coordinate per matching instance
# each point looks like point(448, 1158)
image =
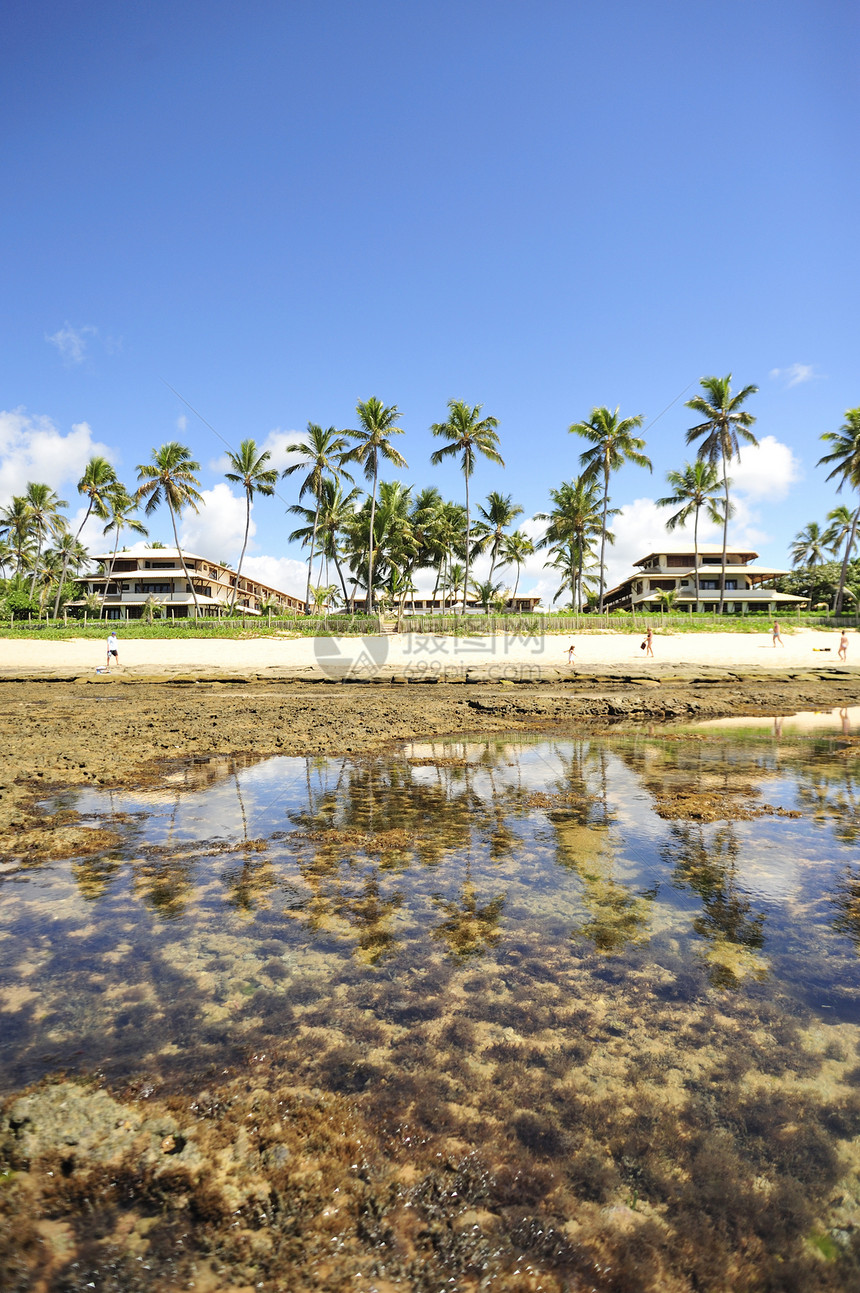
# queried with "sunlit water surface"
point(241, 894)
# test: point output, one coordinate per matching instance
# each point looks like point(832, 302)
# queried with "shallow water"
point(636, 956)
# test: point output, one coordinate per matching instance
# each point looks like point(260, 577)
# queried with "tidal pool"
point(619, 974)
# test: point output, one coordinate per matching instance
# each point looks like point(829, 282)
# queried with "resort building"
point(156, 576)
point(748, 587)
point(429, 605)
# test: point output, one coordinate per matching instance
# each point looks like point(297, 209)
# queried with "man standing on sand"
point(775, 634)
point(843, 647)
point(112, 649)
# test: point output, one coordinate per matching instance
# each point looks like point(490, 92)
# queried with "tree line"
point(377, 539)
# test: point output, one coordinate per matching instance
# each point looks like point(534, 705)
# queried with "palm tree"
point(321, 455)
point(469, 433)
point(376, 425)
point(578, 515)
point(486, 593)
point(44, 508)
point(67, 552)
point(250, 471)
point(809, 547)
point(96, 483)
point(724, 424)
point(121, 506)
point(516, 549)
point(499, 513)
point(613, 444)
point(840, 518)
point(455, 579)
point(16, 526)
point(696, 486)
point(846, 459)
point(170, 478)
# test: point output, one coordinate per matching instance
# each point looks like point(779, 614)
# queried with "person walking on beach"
point(775, 634)
point(112, 649)
point(843, 647)
point(570, 651)
point(649, 650)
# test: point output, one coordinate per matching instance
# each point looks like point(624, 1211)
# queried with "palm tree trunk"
point(696, 554)
point(725, 538)
point(342, 581)
point(516, 586)
point(466, 467)
point(849, 544)
point(36, 560)
point(188, 579)
point(66, 563)
point(311, 560)
point(109, 574)
point(244, 546)
point(369, 603)
point(603, 536)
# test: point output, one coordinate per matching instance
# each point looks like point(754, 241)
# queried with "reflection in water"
point(598, 980)
point(708, 865)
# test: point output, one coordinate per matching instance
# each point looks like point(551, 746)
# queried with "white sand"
point(413, 653)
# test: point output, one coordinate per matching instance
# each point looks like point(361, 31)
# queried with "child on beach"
point(775, 634)
point(570, 651)
point(112, 649)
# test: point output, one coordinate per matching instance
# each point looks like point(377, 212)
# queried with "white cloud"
point(284, 573)
point(72, 342)
point(33, 448)
point(765, 471)
point(276, 443)
point(181, 422)
point(218, 528)
point(795, 374)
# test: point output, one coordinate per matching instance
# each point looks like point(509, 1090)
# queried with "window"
point(152, 588)
point(708, 583)
point(731, 584)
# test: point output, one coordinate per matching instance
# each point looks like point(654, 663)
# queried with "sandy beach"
point(415, 655)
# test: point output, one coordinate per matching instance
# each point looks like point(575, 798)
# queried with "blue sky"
point(282, 208)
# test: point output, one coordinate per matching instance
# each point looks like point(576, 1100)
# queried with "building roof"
point(705, 550)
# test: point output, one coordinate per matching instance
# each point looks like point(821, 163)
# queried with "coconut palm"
point(447, 539)
point(468, 434)
point(454, 580)
point(613, 445)
point(321, 455)
point(696, 486)
point(95, 484)
point(121, 507)
point(499, 513)
point(44, 510)
point(67, 553)
point(516, 549)
point(373, 441)
point(724, 424)
point(810, 549)
point(810, 545)
point(845, 458)
point(16, 526)
point(250, 471)
point(170, 478)
point(840, 518)
point(487, 592)
point(577, 516)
